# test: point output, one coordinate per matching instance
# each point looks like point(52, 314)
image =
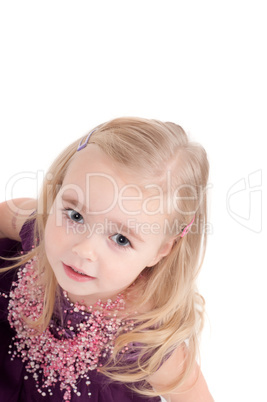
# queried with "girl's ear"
point(163, 251)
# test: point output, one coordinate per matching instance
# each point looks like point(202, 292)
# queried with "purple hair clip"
point(187, 228)
point(83, 145)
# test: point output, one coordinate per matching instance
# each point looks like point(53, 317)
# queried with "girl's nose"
point(86, 248)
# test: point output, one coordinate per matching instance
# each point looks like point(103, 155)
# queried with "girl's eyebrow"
point(74, 202)
point(119, 226)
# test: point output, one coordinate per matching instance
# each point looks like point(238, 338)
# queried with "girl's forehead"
point(90, 158)
point(92, 163)
point(96, 181)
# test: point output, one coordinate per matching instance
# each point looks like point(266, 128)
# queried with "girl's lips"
point(76, 276)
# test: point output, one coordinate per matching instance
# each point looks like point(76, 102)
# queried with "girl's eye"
point(74, 215)
point(120, 240)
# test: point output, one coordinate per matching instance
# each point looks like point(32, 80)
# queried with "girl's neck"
point(130, 296)
point(91, 300)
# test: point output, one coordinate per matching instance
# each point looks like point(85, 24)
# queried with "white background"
point(69, 65)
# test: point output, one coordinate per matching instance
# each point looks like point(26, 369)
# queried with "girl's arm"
point(194, 389)
point(13, 214)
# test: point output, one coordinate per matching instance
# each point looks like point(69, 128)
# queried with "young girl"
point(101, 301)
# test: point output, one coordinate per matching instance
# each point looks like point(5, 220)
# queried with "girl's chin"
point(90, 299)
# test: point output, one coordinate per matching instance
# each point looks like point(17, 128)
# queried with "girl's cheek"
point(51, 235)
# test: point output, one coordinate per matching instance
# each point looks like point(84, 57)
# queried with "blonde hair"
point(150, 148)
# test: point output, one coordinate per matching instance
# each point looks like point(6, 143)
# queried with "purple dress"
point(16, 383)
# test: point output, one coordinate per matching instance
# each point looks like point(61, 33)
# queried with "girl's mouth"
point(76, 275)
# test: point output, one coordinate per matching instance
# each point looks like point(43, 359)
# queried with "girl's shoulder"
point(13, 214)
point(194, 386)
point(12, 247)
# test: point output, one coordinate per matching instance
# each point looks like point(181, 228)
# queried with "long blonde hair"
point(152, 149)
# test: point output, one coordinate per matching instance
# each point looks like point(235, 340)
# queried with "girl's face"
point(103, 229)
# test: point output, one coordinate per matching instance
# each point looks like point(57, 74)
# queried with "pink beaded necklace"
point(65, 351)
